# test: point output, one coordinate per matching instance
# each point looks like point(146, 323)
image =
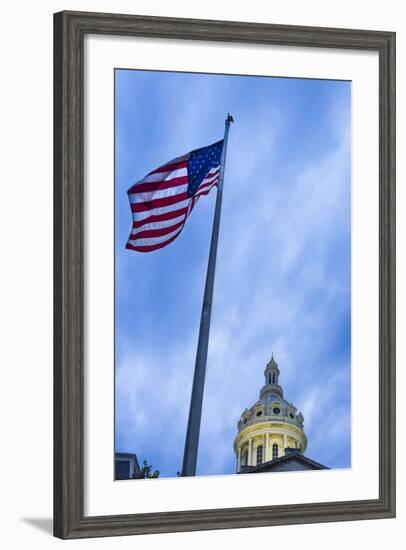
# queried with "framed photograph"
point(224, 267)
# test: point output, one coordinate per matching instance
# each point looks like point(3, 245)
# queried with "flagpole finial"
point(229, 118)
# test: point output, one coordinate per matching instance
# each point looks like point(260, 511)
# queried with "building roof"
point(128, 456)
point(293, 456)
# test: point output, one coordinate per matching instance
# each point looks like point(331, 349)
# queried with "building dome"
point(270, 427)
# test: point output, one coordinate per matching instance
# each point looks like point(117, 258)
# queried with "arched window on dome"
point(259, 454)
point(274, 451)
point(244, 458)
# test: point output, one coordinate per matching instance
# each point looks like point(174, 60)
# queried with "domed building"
point(270, 433)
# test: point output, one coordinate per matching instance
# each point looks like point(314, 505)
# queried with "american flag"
point(162, 201)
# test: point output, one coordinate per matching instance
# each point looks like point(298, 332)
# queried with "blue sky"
point(283, 269)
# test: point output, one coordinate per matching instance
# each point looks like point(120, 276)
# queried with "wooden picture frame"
point(69, 31)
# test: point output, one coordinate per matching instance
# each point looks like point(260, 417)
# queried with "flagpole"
point(196, 401)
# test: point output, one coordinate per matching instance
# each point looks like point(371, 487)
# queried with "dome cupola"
point(271, 381)
point(271, 426)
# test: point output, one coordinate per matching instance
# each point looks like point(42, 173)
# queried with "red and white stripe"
point(160, 205)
